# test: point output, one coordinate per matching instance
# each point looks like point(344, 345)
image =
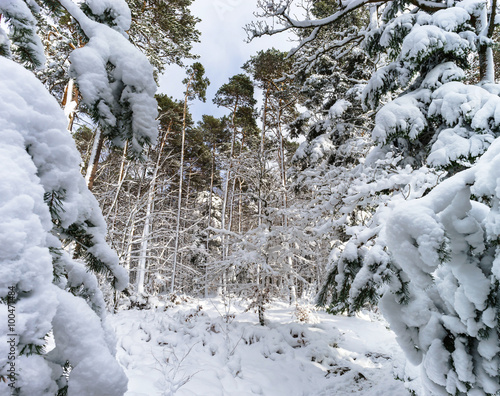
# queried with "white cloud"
point(222, 50)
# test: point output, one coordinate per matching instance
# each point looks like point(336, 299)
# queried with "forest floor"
point(207, 347)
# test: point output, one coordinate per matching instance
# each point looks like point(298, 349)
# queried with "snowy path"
point(192, 350)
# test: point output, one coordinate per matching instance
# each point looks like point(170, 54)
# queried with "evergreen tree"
point(163, 30)
point(47, 206)
point(437, 126)
point(327, 168)
point(261, 256)
point(237, 96)
point(215, 135)
point(196, 88)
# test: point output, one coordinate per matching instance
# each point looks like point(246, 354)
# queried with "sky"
point(222, 49)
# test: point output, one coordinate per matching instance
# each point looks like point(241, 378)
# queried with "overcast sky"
point(223, 49)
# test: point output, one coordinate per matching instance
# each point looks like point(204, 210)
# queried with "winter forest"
point(336, 231)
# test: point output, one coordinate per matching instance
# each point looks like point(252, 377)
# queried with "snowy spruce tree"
point(52, 233)
point(435, 244)
point(447, 125)
point(336, 128)
point(444, 307)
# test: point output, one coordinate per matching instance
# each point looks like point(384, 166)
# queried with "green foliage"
point(54, 200)
point(106, 18)
point(246, 119)
point(164, 30)
point(198, 145)
point(26, 45)
point(323, 8)
point(31, 349)
point(215, 130)
point(237, 93)
point(79, 233)
point(84, 138)
point(59, 270)
point(337, 294)
point(4, 45)
point(54, 7)
point(267, 66)
point(196, 83)
point(170, 113)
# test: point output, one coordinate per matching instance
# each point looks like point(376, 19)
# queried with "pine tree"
point(163, 30)
point(445, 305)
point(46, 205)
point(236, 95)
point(210, 205)
point(48, 210)
point(261, 255)
point(196, 87)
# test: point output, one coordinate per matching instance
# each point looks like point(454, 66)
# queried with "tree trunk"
point(289, 261)
point(261, 156)
point(486, 28)
point(181, 177)
point(70, 103)
point(209, 222)
point(94, 159)
point(260, 308)
point(121, 178)
point(147, 221)
point(128, 260)
point(226, 196)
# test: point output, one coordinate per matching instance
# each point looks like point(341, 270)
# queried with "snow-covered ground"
point(208, 348)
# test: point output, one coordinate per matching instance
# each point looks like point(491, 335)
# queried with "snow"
point(24, 221)
point(440, 359)
point(339, 107)
point(441, 74)
point(38, 157)
point(118, 10)
point(4, 42)
point(208, 347)
point(80, 339)
point(316, 149)
point(402, 115)
point(425, 40)
point(115, 78)
point(21, 19)
point(54, 153)
point(451, 19)
point(471, 113)
point(442, 243)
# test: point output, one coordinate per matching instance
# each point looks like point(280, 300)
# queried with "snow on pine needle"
point(114, 78)
point(43, 199)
